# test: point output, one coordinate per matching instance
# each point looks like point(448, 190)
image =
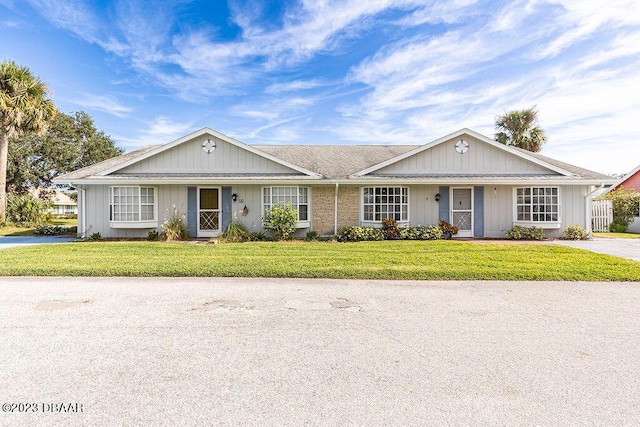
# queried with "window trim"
point(134, 224)
point(402, 222)
point(531, 222)
point(300, 223)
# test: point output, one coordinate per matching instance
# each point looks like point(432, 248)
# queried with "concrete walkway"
point(625, 248)
point(11, 241)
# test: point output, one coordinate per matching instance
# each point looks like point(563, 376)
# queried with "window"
point(133, 204)
point(538, 204)
point(385, 202)
point(297, 196)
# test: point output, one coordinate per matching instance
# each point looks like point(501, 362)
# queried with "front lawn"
point(11, 230)
point(433, 260)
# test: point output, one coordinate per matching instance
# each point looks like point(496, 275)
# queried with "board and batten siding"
point(248, 195)
point(499, 205)
point(481, 158)
point(97, 210)
point(190, 158)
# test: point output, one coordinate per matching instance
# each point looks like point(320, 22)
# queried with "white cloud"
point(295, 85)
point(108, 104)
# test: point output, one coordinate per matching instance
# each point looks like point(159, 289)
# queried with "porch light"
point(437, 197)
point(234, 197)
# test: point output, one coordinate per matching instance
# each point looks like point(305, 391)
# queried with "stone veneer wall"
point(323, 208)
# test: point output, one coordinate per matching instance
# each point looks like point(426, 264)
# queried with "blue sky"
point(340, 72)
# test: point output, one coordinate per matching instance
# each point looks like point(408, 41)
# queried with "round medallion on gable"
point(208, 146)
point(462, 146)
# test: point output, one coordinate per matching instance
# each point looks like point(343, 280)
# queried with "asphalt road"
point(166, 351)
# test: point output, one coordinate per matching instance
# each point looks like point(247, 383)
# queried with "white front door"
point(208, 212)
point(462, 210)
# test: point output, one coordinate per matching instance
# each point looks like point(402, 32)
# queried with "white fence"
point(601, 215)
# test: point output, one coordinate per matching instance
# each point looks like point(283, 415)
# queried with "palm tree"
point(520, 129)
point(24, 107)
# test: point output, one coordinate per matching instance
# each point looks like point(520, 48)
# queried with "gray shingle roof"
point(106, 164)
point(581, 172)
point(335, 161)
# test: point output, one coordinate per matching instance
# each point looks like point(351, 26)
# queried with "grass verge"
point(617, 235)
point(433, 260)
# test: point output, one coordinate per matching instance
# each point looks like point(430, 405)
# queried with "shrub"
point(27, 210)
point(174, 226)
point(448, 230)
point(421, 232)
point(54, 230)
point(312, 235)
point(390, 229)
point(575, 232)
point(360, 234)
point(625, 202)
point(257, 236)
point(96, 236)
point(281, 220)
point(524, 233)
point(236, 232)
point(618, 226)
point(152, 235)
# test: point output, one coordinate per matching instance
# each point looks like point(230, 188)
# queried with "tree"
point(24, 107)
point(520, 129)
point(71, 142)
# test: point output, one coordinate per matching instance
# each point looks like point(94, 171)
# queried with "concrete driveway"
point(625, 248)
point(11, 241)
point(174, 351)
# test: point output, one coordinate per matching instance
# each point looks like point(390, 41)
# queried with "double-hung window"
point(385, 202)
point(133, 207)
point(538, 204)
point(298, 197)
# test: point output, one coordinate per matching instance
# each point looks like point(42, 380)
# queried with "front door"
point(208, 212)
point(462, 210)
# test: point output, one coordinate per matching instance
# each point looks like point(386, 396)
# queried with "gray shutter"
point(226, 207)
point(478, 211)
point(192, 211)
point(444, 203)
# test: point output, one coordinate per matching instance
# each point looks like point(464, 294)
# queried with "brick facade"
point(323, 208)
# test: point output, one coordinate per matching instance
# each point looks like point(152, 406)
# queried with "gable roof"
point(519, 153)
point(201, 132)
point(352, 162)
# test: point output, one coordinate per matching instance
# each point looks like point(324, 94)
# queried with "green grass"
point(433, 260)
point(617, 235)
point(28, 231)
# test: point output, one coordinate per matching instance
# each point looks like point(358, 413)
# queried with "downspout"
point(335, 212)
point(82, 213)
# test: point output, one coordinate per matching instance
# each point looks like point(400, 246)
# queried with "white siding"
point(498, 210)
point(189, 157)
point(98, 210)
point(423, 208)
point(481, 158)
point(251, 197)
